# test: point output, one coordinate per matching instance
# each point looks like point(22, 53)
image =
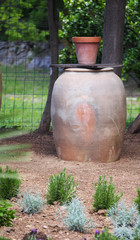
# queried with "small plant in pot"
point(86, 49)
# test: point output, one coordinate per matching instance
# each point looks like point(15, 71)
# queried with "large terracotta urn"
point(0, 88)
point(88, 115)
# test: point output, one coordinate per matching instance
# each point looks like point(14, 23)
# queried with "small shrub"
point(34, 235)
point(76, 219)
point(6, 214)
point(31, 202)
point(126, 221)
point(104, 235)
point(61, 188)
point(137, 200)
point(105, 195)
point(9, 183)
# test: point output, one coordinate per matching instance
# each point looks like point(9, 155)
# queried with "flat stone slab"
point(95, 66)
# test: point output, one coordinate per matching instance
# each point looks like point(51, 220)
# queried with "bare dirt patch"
point(43, 162)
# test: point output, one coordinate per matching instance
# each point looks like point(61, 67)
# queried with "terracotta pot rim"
point(86, 39)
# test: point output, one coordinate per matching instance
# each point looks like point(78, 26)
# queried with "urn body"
point(88, 113)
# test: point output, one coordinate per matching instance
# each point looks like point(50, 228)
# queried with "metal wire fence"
point(22, 62)
point(25, 89)
point(133, 109)
point(23, 96)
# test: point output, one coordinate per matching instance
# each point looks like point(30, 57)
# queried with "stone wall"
point(30, 54)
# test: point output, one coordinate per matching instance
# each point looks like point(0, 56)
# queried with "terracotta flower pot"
point(86, 49)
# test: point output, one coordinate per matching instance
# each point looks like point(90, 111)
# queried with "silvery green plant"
point(76, 219)
point(31, 202)
point(126, 221)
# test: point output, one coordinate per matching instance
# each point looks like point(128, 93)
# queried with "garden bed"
point(42, 161)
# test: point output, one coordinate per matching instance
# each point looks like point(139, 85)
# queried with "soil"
point(42, 162)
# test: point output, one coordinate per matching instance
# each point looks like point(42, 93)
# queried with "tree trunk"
point(53, 19)
point(113, 33)
point(0, 88)
point(135, 126)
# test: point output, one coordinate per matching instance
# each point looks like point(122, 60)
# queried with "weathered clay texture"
point(88, 115)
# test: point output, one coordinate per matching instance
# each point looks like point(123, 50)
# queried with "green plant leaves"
point(105, 235)
point(61, 188)
point(6, 214)
point(23, 20)
point(137, 200)
point(105, 195)
point(9, 183)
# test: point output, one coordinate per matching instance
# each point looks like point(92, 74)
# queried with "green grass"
point(24, 96)
point(133, 109)
point(19, 80)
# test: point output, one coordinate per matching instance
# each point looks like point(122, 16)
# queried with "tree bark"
point(53, 18)
point(0, 88)
point(135, 126)
point(113, 33)
point(137, 80)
